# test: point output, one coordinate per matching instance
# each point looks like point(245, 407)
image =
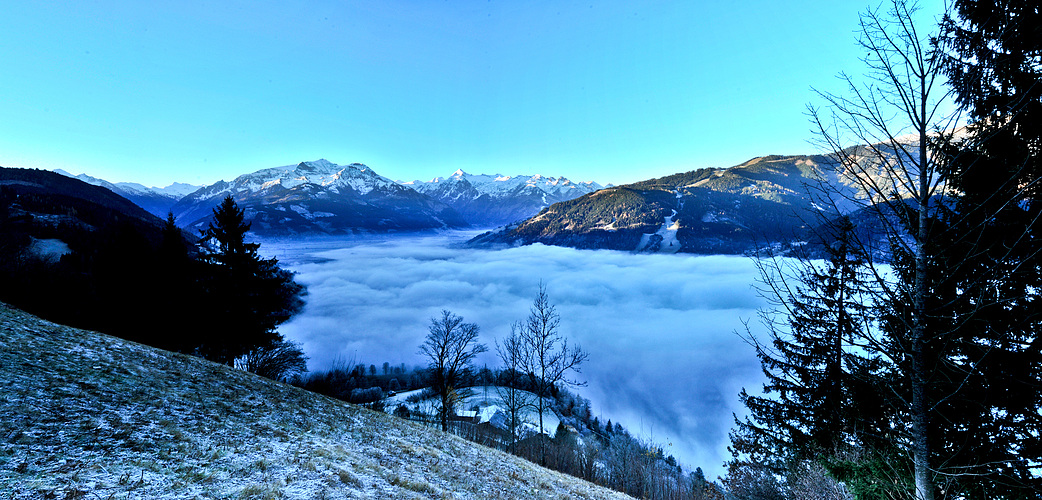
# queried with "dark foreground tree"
point(449, 347)
point(994, 61)
point(819, 399)
point(884, 133)
point(248, 296)
point(958, 305)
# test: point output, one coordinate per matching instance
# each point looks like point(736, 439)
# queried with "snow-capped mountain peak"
point(322, 173)
point(318, 197)
point(178, 189)
point(500, 199)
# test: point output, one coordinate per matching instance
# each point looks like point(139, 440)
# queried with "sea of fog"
point(665, 358)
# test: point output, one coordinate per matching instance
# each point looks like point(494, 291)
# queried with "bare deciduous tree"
point(548, 358)
point(450, 346)
point(512, 353)
point(892, 120)
point(280, 361)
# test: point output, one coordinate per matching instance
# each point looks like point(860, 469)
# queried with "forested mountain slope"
point(765, 201)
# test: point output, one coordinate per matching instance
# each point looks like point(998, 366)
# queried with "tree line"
point(919, 377)
point(210, 295)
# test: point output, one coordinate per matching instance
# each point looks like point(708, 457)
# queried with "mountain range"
point(321, 197)
point(494, 200)
point(157, 201)
point(41, 205)
point(766, 202)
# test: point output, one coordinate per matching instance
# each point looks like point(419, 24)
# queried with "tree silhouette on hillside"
point(249, 296)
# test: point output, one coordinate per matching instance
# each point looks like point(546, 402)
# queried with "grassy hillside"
point(85, 415)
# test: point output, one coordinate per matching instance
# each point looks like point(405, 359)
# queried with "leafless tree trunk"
point(547, 356)
point(892, 120)
point(450, 346)
point(512, 353)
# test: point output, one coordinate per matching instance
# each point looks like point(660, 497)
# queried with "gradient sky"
point(611, 91)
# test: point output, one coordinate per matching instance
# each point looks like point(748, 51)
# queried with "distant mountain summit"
point(320, 197)
point(157, 201)
point(494, 200)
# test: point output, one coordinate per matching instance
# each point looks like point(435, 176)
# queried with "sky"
point(665, 359)
point(610, 91)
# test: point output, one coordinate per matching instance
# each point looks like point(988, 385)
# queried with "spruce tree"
point(819, 395)
point(177, 290)
point(994, 434)
point(249, 296)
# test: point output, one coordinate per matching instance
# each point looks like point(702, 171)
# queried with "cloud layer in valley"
point(665, 360)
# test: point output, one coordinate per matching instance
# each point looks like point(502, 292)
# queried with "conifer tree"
point(817, 400)
point(176, 276)
point(249, 296)
point(993, 430)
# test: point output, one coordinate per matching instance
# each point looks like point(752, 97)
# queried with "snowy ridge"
point(156, 200)
point(175, 190)
point(319, 197)
point(494, 200)
point(322, 173)
point(502, 185)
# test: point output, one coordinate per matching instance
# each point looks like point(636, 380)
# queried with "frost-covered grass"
point(84, 415)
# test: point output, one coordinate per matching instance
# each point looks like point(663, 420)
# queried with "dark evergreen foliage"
point(819, 399)
point(247, 296)
point(959, 386)
point(994, 359)
point(114, 270)
point(120, 270)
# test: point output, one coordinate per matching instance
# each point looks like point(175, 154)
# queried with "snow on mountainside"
point(493, 200)
point(154, 199)
point(86, 415)
point(320, 197)
point(764, 201)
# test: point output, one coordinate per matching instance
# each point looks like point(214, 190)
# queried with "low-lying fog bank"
point(660, 329)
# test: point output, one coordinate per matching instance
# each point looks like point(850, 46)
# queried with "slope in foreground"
point(85, 415)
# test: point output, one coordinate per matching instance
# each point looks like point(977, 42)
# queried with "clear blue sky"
point(612, 91)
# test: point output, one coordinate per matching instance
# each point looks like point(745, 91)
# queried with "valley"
point(665, 360)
